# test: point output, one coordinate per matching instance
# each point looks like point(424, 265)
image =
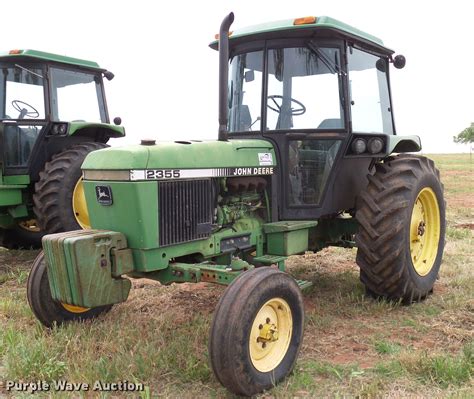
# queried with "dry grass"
point(353, 346)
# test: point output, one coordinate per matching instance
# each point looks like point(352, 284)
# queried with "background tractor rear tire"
point(25, 235)
point(48, 311)
point(402, 225)
point(59, 199)
point(252, 303)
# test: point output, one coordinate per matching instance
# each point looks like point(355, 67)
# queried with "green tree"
point(466, 136)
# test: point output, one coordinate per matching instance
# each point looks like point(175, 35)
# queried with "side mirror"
point(109, 75)
point(399, 61)
point(249, 76)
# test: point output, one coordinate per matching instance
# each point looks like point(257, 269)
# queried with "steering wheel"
point(30, 111)
point(294, 111)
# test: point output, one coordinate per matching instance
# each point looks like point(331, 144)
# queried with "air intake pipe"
point(224, 75)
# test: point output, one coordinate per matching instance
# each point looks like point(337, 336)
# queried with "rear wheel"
point(257, 331)
point(25, 235)
point(59, 199)
point(402, 225)
point(45, 308)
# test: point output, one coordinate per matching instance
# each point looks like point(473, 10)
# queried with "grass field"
point(353, 346)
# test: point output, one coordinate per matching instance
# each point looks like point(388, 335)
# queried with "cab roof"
point(35, 55)
point(274, 29)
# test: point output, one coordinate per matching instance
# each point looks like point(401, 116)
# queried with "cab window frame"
point(30, 66)
point(270, 44)
point(342, 76)
point(387, 57)
point(99, 90)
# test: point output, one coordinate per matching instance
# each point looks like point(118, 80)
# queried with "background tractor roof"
point(271, 30)
point(35, 55)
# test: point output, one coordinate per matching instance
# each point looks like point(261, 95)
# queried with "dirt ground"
point(353, 346)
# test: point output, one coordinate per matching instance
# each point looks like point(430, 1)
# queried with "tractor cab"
point(52, 114)
point(319, 90)
point(40, 93)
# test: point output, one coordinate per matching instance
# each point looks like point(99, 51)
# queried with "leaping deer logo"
point(104, 195)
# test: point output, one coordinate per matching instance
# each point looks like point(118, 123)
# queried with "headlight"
point(60, 129)
point(375, 145)
point(358, 146)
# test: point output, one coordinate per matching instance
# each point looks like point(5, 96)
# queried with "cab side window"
point(369, 95)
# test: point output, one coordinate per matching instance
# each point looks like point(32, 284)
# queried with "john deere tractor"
point(52, 114)
point(307, 156)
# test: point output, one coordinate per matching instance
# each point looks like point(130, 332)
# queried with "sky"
point(166, 76)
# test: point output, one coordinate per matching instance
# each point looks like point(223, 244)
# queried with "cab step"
point(272, 260)
point(280, 261)
point(304, 284)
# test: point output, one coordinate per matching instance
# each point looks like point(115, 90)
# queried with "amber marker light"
point(304, 21)
point(13, 52)
point(216, 36)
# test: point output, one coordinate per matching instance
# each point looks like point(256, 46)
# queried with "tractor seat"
point(331, 124)
point(244, 119)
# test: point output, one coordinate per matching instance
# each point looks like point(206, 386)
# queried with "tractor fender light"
point(375, 145)
point(60, 129)
point(305, 21)
point(13, 52)
point(358, 146)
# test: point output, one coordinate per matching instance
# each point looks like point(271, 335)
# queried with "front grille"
point(185, 210)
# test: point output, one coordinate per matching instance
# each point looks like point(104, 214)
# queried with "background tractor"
point(307, 157)
point(52, 114)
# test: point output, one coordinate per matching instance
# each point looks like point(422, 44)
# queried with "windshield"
point(304, 89)
point(22, 96)
point(76, 96)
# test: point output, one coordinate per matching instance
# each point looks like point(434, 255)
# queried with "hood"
point(183, 155)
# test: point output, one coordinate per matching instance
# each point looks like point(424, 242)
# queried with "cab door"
point(310, 162)
point(305, 117)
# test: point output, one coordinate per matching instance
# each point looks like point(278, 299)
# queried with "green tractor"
point(53, 113)
point(307, 157)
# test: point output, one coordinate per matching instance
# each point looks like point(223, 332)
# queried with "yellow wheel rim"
point(79, 205)
point(30, 225)
point(425, 228)
point(74, 308)
point(270, 335)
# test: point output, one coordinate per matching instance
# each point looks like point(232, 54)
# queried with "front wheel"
point(257, 331)
point(402, 226)
point(45, 308)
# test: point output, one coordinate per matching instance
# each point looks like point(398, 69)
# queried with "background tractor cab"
point(320, 93)
point(48, 103)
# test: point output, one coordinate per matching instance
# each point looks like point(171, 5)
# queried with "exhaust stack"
point(223, 75)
